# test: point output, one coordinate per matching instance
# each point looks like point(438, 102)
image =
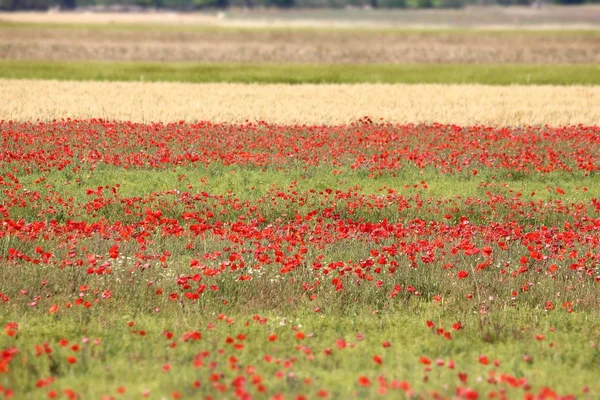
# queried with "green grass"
point(445, 193)
point(362, 314)
point(298, 74)
point(109, 364)
point(249, 183)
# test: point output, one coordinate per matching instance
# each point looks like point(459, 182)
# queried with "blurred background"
point(190, 5)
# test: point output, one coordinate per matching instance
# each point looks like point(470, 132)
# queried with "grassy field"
point(30, 100)
point(97, 275)
point(162, 372)
point(254, 182)
point(255, 45)
point(302, 74)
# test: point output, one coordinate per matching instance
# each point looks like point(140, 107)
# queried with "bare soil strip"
point(30, 100)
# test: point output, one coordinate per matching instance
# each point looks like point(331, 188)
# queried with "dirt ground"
point(30, 100)
point(298, 46)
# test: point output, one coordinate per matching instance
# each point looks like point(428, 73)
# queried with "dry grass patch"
point(300, 104)
point(298, 46)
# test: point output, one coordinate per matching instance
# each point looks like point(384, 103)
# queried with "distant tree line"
point(199, 4)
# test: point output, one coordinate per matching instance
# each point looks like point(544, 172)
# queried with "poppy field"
point(366, 260)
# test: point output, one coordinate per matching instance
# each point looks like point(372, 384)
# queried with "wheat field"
point(305, 104)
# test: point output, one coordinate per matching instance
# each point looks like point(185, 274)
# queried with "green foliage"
point(392, 3)
point(514, 2)
point(419, 3)
point(447, 3)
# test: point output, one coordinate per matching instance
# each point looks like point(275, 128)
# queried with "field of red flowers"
point(263, 261)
